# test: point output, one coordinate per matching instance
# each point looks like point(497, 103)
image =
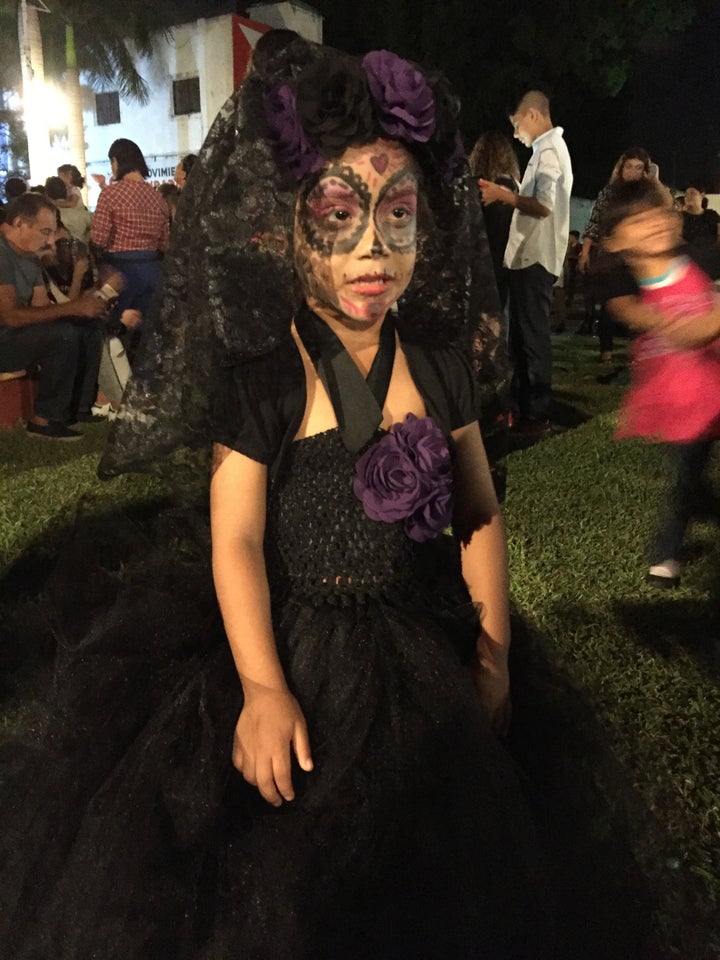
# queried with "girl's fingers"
point(301, 745)
point(237, 756)
point(282, 774)
point(266, 783)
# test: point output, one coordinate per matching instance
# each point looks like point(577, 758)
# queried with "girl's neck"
point(653, 268)
point(133, 175)
point(355, 335)
point(361, 338)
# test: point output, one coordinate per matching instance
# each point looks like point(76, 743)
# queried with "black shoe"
point(53, 431)
point(531, 427)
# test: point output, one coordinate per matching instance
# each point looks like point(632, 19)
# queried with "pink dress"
point(675, 393)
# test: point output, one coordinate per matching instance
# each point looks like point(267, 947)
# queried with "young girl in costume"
point(369, 810)
point(675, 393)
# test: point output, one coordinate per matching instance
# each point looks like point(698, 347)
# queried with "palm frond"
point(113, 62)
point(107, 46)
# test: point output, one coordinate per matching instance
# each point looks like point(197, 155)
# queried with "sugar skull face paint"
point(355, 232)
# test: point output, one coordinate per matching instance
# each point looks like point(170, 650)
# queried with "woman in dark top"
point(493, 158)
point(700, 225)
point(633, 166)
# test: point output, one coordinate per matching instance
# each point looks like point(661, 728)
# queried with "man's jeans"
point(531, 296)
point(68, 355)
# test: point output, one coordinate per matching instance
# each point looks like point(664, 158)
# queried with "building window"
point(107, 108)
point(186, 96)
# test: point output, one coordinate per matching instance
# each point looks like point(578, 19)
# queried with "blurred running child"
point(675, 392)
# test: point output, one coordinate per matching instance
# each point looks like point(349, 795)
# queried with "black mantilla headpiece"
point(229, 290)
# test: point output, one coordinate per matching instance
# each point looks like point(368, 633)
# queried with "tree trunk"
point(73, 93)
point(33, 77)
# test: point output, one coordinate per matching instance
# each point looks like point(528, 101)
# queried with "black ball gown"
point(128, 835)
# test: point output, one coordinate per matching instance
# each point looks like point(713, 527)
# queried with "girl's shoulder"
point(256, 401)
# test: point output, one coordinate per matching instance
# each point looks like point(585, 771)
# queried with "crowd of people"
point(640, 246)
point(321, 775)
point(74, 298)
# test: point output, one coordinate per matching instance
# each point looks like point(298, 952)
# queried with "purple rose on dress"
point(431, 518)
point(286, 136)
point(404, 102)
point(408, 476)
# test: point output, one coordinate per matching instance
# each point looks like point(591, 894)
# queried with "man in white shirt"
point(534, 256)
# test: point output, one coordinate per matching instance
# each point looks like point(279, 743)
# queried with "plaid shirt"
point(130, 215)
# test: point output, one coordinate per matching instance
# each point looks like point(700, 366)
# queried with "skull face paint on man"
point(355, 233)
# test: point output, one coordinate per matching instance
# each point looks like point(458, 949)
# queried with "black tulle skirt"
point(127, 834)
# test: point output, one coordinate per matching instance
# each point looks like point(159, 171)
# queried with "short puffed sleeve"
point(255, 403)
point(447, 384)
point(461, 386)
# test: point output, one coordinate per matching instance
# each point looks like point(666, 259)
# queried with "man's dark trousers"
point(68, 355)
point(531, 294)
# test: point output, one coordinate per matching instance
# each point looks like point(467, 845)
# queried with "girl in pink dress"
point(675, 391)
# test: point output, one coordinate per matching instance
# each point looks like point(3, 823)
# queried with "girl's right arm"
point(271, 721)
point(691, 332)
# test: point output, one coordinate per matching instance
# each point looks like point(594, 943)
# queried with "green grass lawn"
point(626, 676)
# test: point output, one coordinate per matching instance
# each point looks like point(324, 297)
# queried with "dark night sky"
point(674, 103)
point(670, 105)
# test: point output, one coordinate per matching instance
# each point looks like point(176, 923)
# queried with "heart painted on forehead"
point(380, 163)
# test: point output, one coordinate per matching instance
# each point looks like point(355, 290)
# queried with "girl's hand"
point(131, 319)
point(80, 267)
point(270, 722)
point(493, 684)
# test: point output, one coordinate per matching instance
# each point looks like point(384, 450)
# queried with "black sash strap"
point(358, 403)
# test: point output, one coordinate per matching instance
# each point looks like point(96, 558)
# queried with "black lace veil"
point(229, 291)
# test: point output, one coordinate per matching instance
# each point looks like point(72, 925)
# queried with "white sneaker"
point(665, 574)
point(103, 410)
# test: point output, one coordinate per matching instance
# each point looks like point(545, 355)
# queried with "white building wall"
point(203, 49)
point(289, 16)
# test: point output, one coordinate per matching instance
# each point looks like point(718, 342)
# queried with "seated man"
point(66, 273)
point(35, 331)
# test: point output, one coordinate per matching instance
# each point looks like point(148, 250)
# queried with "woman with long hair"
point(131, 225)
point(493, 158)
point(632, 166)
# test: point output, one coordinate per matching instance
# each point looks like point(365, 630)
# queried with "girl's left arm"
point(478, 525)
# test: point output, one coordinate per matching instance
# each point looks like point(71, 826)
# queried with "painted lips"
point(372, 284)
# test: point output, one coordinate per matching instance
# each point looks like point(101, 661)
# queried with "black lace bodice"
point(319, 541)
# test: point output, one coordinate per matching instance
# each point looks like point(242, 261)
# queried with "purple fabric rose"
point(286, 136)
point(403, 99)
point(408, 476)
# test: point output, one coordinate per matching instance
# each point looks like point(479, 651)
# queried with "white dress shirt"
point(548, 178)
